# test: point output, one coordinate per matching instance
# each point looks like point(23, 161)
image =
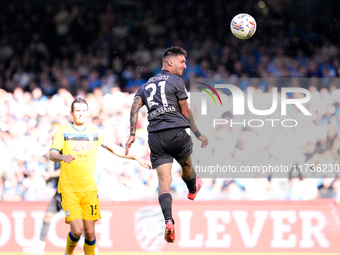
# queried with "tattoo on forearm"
point(137, 104)
point(193, 126)
point(188, 115)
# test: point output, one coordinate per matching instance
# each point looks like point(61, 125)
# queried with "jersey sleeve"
point(181, 92)
point(141, 93)
point(58, 141)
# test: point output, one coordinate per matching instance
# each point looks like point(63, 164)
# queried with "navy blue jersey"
point(161, 95)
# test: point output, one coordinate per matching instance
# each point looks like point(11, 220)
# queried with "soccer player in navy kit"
point(169, 115)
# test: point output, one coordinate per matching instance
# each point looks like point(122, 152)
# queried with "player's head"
point(174, 60)
point(79, 111)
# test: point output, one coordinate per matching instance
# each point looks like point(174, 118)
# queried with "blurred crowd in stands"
point(52, 52)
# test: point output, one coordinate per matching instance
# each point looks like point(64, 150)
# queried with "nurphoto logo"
point(238, 105)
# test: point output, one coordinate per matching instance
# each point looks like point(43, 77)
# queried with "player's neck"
point(166, 69)
point(79, 127)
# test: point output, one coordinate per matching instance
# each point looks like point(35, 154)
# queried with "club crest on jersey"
point(83, 146)
point(90, 137)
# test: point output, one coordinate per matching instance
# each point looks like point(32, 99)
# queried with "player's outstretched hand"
point(130, 141)
point(144, 163)
point(68, 158)
point(204, 141)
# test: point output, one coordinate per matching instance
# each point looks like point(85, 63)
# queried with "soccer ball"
point(243, 26)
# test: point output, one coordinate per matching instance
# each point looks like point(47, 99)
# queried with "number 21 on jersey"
point(153, 88)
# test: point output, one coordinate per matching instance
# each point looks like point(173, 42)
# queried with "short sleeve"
point(58, 141)
point(142, 94)
point(181, 92)
point(139, 92)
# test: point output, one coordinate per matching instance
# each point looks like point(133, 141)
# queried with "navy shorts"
point(55, 205)
point(165, 145)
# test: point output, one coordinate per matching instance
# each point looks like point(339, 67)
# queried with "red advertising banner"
point(205, 226)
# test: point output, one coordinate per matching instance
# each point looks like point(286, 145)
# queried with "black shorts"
point(165, 145)
point(55, 205)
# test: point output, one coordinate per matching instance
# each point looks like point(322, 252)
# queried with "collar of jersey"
point(77, 128)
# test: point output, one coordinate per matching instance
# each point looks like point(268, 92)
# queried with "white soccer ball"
point(243, 26)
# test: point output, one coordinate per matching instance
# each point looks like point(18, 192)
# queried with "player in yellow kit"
point(75, 146)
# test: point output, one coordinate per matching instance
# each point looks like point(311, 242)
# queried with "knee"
point(165, 179)
point(76, 232)
point(89, 234)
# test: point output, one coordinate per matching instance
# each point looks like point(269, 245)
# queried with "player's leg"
point(53, 207)
point(74, 235)
point(184, 159)
point(90, 237)
point(193, 183)
point(90, 214)
point(162, 162)
point(165, 199)
point(46, 225)
point(71, 205)
point(188, 173)
point(164, 183)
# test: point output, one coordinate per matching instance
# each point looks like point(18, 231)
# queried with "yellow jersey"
point(78, 176)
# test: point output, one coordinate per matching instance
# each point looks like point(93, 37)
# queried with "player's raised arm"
point(137, 104)
point(119, 151)
point(185, 110)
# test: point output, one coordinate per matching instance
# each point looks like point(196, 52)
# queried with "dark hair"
point(174, 51)
point(78, 100)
